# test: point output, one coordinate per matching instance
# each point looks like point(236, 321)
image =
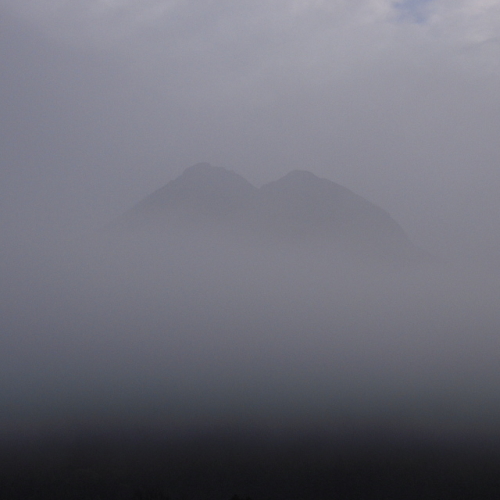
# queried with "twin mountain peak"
point(296, 209)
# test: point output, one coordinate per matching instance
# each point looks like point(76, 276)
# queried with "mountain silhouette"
point(298, 209)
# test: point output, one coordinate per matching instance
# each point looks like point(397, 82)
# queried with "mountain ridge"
point(295, 209)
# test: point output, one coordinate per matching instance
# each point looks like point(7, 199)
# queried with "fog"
point(105, 331)
point(140, 355)
point(102, 103)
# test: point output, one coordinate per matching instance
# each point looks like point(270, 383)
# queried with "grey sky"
point(105, 101)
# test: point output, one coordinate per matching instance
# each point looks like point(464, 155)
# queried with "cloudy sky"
point(104, 101)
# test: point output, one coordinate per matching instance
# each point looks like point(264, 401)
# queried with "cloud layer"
point(462, 21)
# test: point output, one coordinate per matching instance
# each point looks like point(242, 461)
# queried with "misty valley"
point(218, 339)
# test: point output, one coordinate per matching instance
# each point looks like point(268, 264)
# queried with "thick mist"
point(106, 331)
point(238, 341)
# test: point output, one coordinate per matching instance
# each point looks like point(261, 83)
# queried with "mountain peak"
point(304, 181)
point(300, 208)
point(206, 176)
point(300, 176)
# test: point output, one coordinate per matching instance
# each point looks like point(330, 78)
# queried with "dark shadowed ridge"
point(299, 209)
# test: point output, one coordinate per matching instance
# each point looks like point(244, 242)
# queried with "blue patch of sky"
point(415, 11)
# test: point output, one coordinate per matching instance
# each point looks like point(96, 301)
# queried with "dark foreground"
point(256, 466)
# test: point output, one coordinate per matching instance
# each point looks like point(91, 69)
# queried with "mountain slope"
point(298, 209)
point(203, 194)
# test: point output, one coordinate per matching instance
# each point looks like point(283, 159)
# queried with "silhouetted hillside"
point(201, 194)
point(298, 209)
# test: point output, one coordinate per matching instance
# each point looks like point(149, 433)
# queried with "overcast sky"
point(104, 101)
